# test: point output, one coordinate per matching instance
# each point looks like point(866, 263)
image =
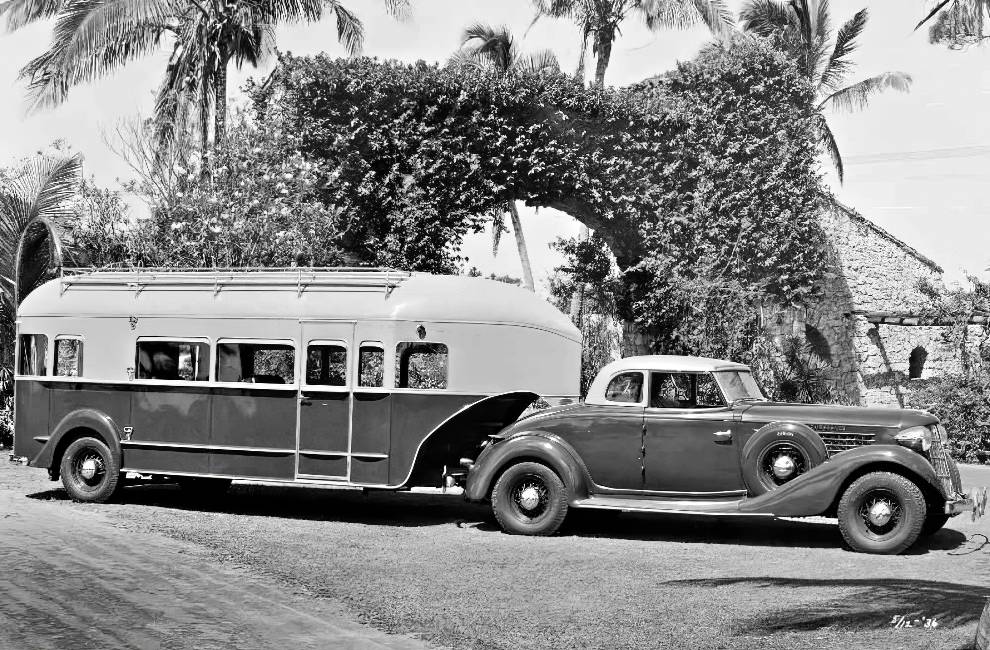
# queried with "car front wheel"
point(529, 499)
point(881, 513)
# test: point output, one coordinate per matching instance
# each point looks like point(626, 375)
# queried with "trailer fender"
point(76, 423)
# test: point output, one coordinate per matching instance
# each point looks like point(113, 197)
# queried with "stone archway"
point(39, 256)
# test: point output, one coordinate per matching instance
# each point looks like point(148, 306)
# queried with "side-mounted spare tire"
point(779, 453)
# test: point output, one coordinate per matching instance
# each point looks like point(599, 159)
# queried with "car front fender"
point(538, 446)
point(813, 493)
point(90, 420)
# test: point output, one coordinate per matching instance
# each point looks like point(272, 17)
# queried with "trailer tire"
point(89, 471)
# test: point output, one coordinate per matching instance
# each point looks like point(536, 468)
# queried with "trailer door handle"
point(723, 437)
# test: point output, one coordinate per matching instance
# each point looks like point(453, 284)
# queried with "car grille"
point(945, 467)
point(836, 442)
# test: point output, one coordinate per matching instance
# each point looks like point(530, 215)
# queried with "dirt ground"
point(314, 568)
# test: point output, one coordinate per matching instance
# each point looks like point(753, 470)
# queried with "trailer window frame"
point(304, 372)
point(291, 343)
point(192, 340)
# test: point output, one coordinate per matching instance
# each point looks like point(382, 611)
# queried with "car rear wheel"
point(881, 513)
point(89, 472)
point(529, 499)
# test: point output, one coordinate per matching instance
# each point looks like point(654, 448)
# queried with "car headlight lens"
point(917, 438)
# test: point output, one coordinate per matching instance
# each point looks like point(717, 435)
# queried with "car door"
point(609, 437)
point(691, 446)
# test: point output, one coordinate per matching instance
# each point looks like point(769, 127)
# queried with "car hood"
point(836, 414)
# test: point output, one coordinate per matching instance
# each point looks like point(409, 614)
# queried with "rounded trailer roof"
point(363, 294)
point(657, 363)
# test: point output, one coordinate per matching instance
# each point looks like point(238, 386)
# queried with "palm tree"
point(93, 38)
point(494, 48)
point(802, 29)
point(958, 23)
point(600, 20)
point(42, 190)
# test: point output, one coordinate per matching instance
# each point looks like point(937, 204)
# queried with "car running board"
point(680, 506)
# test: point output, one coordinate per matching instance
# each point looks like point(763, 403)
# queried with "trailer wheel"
point(89, 472)
point(881, 513)
point(529, 499)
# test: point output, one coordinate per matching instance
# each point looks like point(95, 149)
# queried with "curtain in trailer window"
point(34, 351)
point(256, 363)
point(173, 360)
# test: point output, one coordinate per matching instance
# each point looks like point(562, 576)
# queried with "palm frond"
point(350, 30)
point(937, 8)
point(539, 61)
point(857, 96)
point(717, 16)
point(494, 44)
point(766, 17)
point(845, 44)
point(24, 12)
point(827, 139)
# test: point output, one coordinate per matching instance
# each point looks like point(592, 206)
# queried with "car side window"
point(684, 391)
point(626, 388)
point(708, 394)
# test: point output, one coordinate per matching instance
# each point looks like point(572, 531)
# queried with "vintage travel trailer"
point(362, 377)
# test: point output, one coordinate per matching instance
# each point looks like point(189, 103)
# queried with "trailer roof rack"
point(140, 278)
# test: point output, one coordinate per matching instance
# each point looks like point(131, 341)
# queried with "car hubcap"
point(881, 512)
point(89, 469)
point(529, 498)
point(781, 463)
point(784, 467)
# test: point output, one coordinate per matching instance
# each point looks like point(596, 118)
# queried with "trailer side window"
point(34, 351)
point(326, 364)
point(421, 365)
point(68, 356)
point(173, 360)
point(256, 363)
point(371, 365)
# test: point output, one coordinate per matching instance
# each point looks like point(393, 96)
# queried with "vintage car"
point(696, 435)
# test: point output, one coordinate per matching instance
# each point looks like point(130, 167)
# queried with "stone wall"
point(872, 271)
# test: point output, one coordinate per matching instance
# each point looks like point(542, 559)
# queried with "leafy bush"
point(6, 424)
point(963, 406)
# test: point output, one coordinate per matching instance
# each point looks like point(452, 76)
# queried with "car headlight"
point(917, 438)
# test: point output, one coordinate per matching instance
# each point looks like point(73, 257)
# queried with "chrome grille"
point(836, 442)
point(944, 467)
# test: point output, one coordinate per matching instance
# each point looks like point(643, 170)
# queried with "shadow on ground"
point(859, 604)
point(418, 509)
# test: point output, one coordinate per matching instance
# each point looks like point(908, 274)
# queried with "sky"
point(917, 164)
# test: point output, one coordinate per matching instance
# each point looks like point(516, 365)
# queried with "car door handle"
point(723, 437)
point(304, 401)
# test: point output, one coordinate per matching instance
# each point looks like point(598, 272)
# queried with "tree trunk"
point(220, 101)
point(577, 298)
point(603, 52)
point(579, 73)
point(527, 269)
point(204, 124)
point(635, 341)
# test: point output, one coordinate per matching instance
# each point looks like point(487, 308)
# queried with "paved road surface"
point(71, 579)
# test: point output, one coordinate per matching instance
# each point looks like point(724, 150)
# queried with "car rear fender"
point(76, 424)
point(536, 446)
point(816, 491)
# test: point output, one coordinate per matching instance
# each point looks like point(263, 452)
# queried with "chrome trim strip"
point(42, 439)
point(149, 444)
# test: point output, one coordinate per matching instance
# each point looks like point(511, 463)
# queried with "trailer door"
point(325, 396)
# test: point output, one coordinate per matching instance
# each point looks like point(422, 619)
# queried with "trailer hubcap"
point(88, 468)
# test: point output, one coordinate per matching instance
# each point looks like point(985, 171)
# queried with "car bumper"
point(976, 503)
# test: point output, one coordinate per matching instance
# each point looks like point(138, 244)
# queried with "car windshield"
point(739, 384)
